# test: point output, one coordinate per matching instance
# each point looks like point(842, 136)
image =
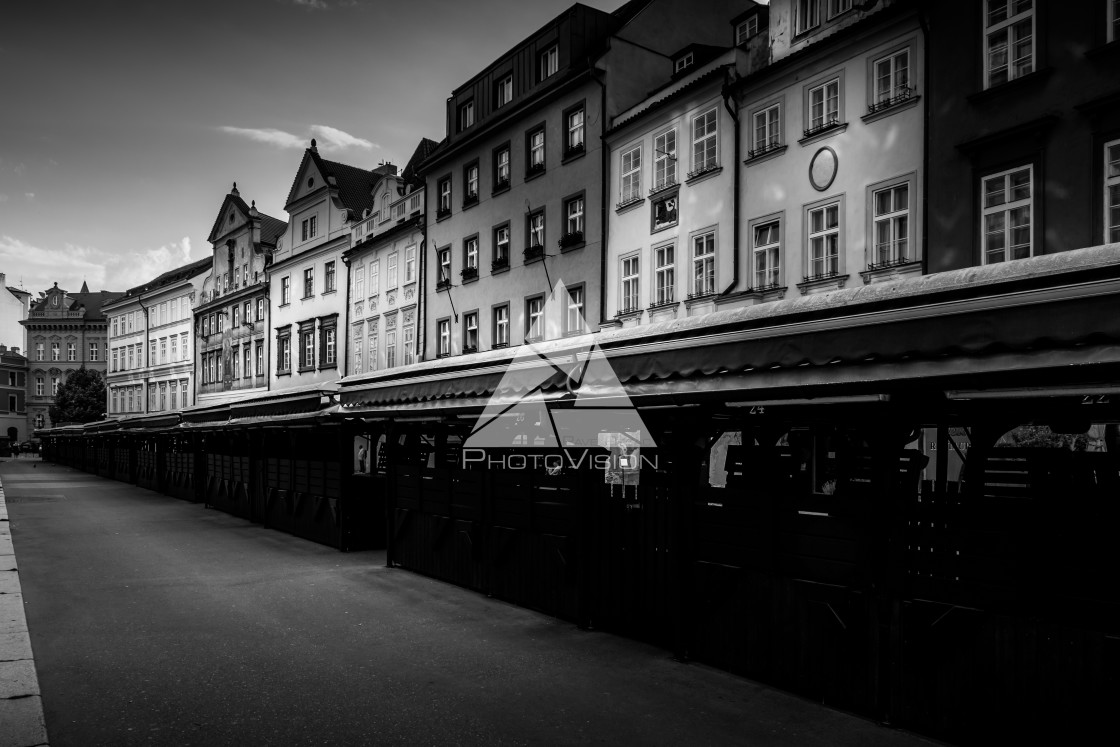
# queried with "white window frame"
point(574, 320)
point(500, 319)
point(766, 257)
point(534, 318)
point(823, 264)
point(445, 194)
point(375, 277)
point(806, 15)
point(664, 274)
point(466, 115)
point(771, 129)
point(575, 126)
point(1005, 28)
point(703, 249)
point(899, 86)
point(391, 271)
point(408, 343)
point(701, 162)
point(472, 180)
point(573, 215)
point(501, 248)
point(536, 147)
point(828, 117)
point(1005, 208)
point(470, 253)
point(837, 8)
point(549, 62)
point(503, 169)
point(470, 331)
point(1112, 191)
point(683, 62)
point(444, 265)
point(536, 228)
point(898, 248)
point(410, 264)
point(503, 93)
point(665, 159)
point(630, 278)
point(374, 352)
point(630, 175)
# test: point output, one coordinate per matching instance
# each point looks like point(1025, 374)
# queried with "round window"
point(310, 181)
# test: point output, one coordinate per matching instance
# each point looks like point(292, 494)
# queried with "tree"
point(81, 399)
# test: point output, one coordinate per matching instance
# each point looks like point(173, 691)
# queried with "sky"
point(124, 123)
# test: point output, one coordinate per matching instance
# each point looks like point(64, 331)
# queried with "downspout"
point(145, 344)
point(345, 329)
point(727, 102)
point(422, 315)
point(604, 168)
point(926, 72)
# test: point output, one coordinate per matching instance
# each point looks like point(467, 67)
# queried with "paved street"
point(155, 621)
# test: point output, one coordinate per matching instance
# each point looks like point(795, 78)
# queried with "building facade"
point(308, 280)
point(1026, 152)
point(151, 343)
point(231, 319)
point(65, 332)
point(386, 273)
point(14, 305)
point(13, 396)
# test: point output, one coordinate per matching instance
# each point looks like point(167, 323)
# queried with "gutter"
point(604, 186)
point(727, 102)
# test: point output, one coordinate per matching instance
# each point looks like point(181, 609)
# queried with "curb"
point(21, 704)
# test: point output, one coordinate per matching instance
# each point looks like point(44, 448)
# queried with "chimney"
point(386, 169)
point(3, 348)
point(15, 350)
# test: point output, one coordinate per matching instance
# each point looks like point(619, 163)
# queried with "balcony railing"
point(764, 149)
point(821, 276)
point(669, 181)
point(903, 95)
point(829, 124)
point(711, 164)
point(901, 259)
point(631, 308)
point(628, 200)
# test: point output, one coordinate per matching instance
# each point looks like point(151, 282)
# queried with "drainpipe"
point(604, 187)
point(140, 300)
point(927, 73)
point(347, 340)
point(729, 105)
point(421, 302)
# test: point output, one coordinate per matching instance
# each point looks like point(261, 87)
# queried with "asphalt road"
point(156, 621)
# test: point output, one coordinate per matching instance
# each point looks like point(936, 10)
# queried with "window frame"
point(443, 260)
point(775, 134)
point(713, 163)
point(910, 181)
point(806, 16)
point(658, 270)
point(1006, 207)
point(285, 290)
point(535, 167)
point(501, 185)
point(572, 238)
point(465, 115)
point(634, 174)
point(468, 316)
point(1109, 183)
point(629, 277)
point(538, 314)
point(410, 266)
point(693, 257)
point(503, 84)
point(778, 273)
point(573, 150)
point(443, 337)
point(738, 39)
point(497, 324)
point(496, 259)
point(807, 236)
point(822, 82)
point(548, 62)
point(1006, 26)
point(472, 253)
point(582, 326)
point(470, 197)
point(668, 160)
point(308, 282)
point(329, 280)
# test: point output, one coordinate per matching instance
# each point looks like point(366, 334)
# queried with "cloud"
point(338, 139)
point(29, 195)
point(311, 4)
point(328, 138)
point(270, 136)
point(39, 267)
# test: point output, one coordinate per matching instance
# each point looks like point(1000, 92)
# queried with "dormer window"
point(503, 93)
point(549, 62)
point(683, 62)
point(466, 115)
point(745, 30)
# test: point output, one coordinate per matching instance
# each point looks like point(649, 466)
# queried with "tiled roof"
point(426, 147)
point(93, 302)
point(355, 185)
point(271, 228)
point(230, 198)
point(712, 74)
point(171, 276)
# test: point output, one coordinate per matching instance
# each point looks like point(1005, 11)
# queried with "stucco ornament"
point(823, 168)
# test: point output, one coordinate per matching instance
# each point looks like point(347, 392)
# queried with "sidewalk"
point(21, 706)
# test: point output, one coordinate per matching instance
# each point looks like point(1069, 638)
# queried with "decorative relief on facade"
point(391, 322)
point(409, 317)
point(392, 298)
point(409, 293)
point(359, 308)
point(373, 303)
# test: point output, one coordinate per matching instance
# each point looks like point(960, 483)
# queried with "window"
point(114, 362)
point(745, 30)
point(151, 352)
point(470, 332)
point(38, 351)
point(573, 120)
point(704, 264)
point(470, 183)
point(891, 225)
point(71, 351)
point(444, 207)
point(683, 62)
point(259, 362)
point(503, 91)
point(174, 347)
point(806, 15)
point(356, 359)
point(630, 188)
point(235, 362)
point(501, 326)
point(309, 227)
point(501, 167)
point(470, 258)
point(131, 358)
point(466, 115)
point(549, 62)
point(115, 407)
point(444, 257)
point(163, 350)
point(824, 106)
point(236, 316)
point(836, 7)
point(309, 282)
point(535, 230)
point(767, 130)
point(534, 318)
point(247, 313)
point(375, 277)
point(284, 351)
point(767, 254)
point(409, 342)
point(183, 346)
point(260, 309)
point(328, 277)
point(40, 421)
point(573, 319)
point(573, 227)
point(373, 350)
point(39, 388)
point(56, 351)
point(824, 241)
point(410, 264)
point(501, 246)
point(1007, 210)
point(630, 279)
point(1008, 40)
point(307, 346)
point(391, 271)
point(704, 140)
point(1113, 20)
point(115, 333)
point(536, 151)
point(664, 275)
point(174, 387)
point(892, 80)
point(247, 357)
point(665, 160)
point(1112, 189)
point(328, 344)
point(383, 212)
point(221, 317)
point(390, 348)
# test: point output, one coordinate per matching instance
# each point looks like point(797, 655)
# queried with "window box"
point(708, 167)
point(442, 213)
point(574, 151)
point(629, 311)
point(500, 186)
point(470, 201)
point(534, 170)
point(499, 264)
point(443, 284)
point(533, 253)
point(663, 305)
point(499, 345)
point(469, 273)
point(568, 240)
point(701, 296)
point(468, 349)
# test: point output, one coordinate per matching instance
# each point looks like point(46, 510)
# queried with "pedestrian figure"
point(362, 452)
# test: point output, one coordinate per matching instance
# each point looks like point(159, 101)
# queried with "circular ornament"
point(822, 169)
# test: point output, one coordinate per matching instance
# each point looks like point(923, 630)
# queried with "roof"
point(93, 302)
point(271, 228)
point(167, 278)
point(233, 198)
point(716, 72)
point(355, 185)
point(426, 147)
